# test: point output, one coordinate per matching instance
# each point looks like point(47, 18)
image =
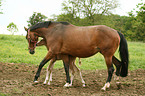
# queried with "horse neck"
point(42, 32)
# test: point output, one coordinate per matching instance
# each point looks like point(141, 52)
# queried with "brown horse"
point(74, 41)
point(73, 67)
point(33, 42)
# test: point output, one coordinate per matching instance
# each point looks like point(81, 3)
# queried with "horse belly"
point(80, 52)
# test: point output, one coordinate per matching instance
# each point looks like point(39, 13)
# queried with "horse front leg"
point(66, 67)
point(43, 62)
point(110, 72)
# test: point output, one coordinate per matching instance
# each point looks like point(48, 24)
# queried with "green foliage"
point(0, 7)
point(88, 8)
point(82, 13)
point(12, 28)
point(14, 49)
point(135, 25)
point(68, 17)
point(36, 18)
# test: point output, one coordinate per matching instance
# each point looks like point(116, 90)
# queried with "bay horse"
point(83, 42)
point(33, 42)
point(73, 67)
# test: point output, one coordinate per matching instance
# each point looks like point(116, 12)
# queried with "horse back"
point(87, 41)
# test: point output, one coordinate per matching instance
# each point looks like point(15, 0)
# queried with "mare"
point(33, 42)
point(83, 42)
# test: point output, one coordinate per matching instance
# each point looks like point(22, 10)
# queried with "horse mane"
point(40, 25)
point(45, 25)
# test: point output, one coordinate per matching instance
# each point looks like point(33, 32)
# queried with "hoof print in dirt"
point(118, 85)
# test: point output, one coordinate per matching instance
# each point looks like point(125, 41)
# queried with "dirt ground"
point(16, 80)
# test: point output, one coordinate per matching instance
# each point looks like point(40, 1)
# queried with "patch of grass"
point(4, 94)
point(14, 49)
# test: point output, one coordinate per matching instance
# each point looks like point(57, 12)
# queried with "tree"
point(140, 22)
point(135, 25)
point(88, 8)
point(12, 28)
point(36, 18)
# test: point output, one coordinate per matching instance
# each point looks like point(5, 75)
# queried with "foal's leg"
point(75, 68)
point(49, 71)
point(110, 72)
point(80, 61)
point(71, 72)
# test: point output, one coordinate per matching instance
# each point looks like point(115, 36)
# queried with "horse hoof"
point(48, 83)
point(84, 85)
point(44, 83)
point(67, 85)
point(103, 89)
point(35, 83)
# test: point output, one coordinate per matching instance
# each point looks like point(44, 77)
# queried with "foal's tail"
point(123, 55)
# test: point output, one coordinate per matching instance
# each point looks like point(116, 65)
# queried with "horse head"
point(32, 38)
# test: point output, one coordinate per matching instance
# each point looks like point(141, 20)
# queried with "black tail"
point(123, 55)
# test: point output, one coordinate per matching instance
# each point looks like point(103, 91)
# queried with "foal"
point(73, 67)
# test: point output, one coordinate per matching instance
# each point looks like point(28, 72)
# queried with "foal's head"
point(32, 38)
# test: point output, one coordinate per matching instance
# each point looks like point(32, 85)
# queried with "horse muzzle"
point(31, 51)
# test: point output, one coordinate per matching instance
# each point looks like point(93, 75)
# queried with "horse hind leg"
point(117, 63)
point(110, 72)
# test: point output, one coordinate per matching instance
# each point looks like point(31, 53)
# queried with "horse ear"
point(26, 29)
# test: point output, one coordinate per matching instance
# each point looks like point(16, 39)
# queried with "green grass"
point(14, 49)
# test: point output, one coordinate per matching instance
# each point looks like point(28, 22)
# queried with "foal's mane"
point(45, 25)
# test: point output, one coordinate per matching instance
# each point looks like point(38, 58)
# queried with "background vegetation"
point(99, 12)
point(14, 49)
point(132, 26)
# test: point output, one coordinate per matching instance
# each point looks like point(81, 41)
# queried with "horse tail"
point(124, 55)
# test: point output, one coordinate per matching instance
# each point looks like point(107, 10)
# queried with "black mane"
point(40, 25)
point(45, 25)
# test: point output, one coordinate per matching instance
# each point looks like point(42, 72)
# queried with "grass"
point(14, 49)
